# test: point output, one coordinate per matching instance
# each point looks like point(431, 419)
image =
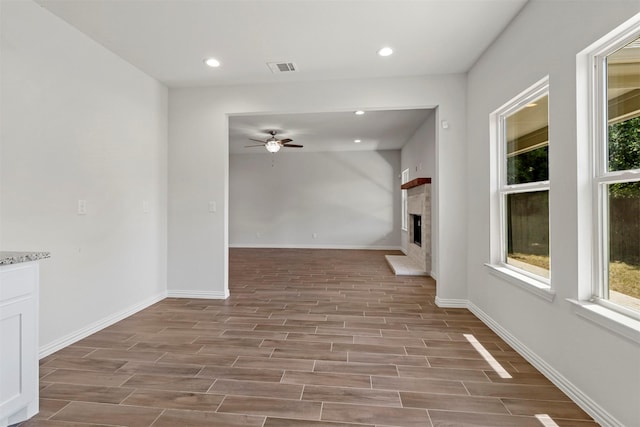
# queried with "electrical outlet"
point(212, 206)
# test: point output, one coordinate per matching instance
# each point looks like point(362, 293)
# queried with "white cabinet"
point(18, 342)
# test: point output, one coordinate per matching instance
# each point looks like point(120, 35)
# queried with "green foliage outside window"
point(624, 154)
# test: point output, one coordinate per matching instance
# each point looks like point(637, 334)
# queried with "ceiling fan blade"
point(292, 145)
point(286, 140)
point(247, 146)
point(256, 140)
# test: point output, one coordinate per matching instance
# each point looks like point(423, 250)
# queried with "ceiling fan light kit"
point(273, 144)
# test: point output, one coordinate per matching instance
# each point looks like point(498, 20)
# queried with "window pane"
point(527, 132)
point(623, 96)
point(624, 244)
point(528, 231)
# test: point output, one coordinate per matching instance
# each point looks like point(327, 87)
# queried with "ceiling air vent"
point(282, 67)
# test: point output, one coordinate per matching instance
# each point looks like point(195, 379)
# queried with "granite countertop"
point(9, 257)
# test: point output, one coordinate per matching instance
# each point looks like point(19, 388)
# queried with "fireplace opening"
point(416, 235)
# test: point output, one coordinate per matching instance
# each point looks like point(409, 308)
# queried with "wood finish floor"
point(318, 338)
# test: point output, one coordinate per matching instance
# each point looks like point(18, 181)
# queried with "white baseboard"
point(94, 327)
point(451, 303)
point(585, 402)
point(198, 294)
point(291, 246)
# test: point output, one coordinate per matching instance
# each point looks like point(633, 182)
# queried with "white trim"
point(612, 320)
point(451, 303)
point(198, 294)
point(305, 246)
point(94, 327)
point(404, 226)
point(500, 189)
point(529, 284)
point(593, 302)
point(599, 414)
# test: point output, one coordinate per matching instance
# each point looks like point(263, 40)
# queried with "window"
point(405, 207)
point(616, 183)
point(522, 138)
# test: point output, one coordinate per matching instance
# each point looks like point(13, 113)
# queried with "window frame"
point(404, 178)
point(600, 176)
point(530, 281)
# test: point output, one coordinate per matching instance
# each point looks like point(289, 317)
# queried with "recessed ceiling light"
point(357, 141)
point(212, 62)
point(385, 51)
point(359, 113)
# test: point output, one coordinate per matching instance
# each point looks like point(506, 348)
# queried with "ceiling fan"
point(273, 144)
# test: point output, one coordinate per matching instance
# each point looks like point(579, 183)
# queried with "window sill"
point(527, 283)
point(607, 318)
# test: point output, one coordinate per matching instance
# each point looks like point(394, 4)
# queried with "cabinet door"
point(18, 349)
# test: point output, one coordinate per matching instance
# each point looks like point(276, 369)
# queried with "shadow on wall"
point(338, 198)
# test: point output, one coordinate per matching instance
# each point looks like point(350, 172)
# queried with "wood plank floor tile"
point(173, 369)
point(533, 392)
point(303, 353)
point(274, 363)
point(469, 419)
point(85, 393)
point(450, 403)
point(103, 413)
point(368, 348)
point(442, 373)
point(355, 368)
point(198, 359)
point(271, 407)
point(324, 378)
point(567, 410)
point(398, 360)
point(308, 338)
point(49, 407)
point(70, 376)
point(163, 382)
point(85, 364)
point(361, 396)
point(403, 417)
point(257, 389)
point(146, 356)
point(269, 375)
point(426, 385)
point(174, 400)
point(38, 422)
point(284, 422)
point(174, 418)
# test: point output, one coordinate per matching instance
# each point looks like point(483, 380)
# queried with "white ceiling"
point(168, 39)
point(336, 131)
point(326, 39)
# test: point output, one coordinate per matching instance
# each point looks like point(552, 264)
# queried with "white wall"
point(199, 169)
point(419, 156)
point(601, 366)
point(349, 199)
point(80, 123)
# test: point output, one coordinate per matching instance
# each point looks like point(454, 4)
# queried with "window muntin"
point(523, 135)
point(617, 177)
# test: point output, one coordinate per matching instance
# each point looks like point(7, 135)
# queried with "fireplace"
point(416, 229)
